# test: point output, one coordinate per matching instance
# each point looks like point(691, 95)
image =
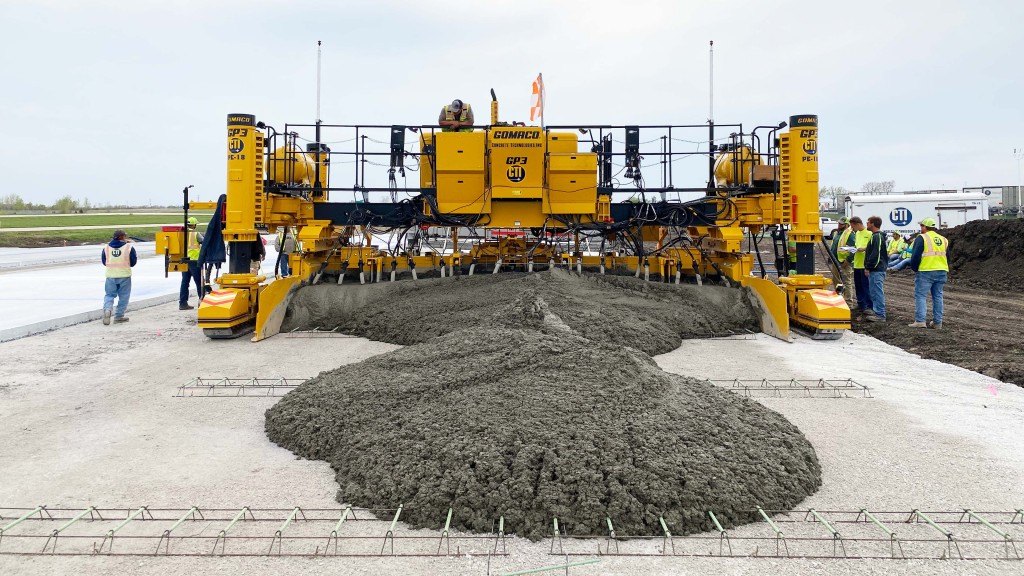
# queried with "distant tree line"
point(63, 205)
point(834, 195)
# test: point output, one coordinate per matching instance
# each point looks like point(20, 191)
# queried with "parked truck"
point(902, 212)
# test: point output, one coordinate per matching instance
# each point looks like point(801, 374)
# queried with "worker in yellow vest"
point(893, 248)
point(193, 242)
point(456, 117)
point(791, 254)
point(861, 237)
point(932, 267)
point(118, 257)
point(842, 237)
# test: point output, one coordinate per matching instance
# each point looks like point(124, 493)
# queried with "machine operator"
point(195, 241)
point(456, 117)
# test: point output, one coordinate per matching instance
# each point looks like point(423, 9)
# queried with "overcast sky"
point(125, 102)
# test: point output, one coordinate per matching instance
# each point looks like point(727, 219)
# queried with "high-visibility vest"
point(895, 246)
point(791, 250)
point(861, 241)
point(118, 261)
point(463, 116)
point(193, 246)
point(843, 239)
point(934, 256)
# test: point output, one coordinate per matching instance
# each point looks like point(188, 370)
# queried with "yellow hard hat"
point(192, 221)
point(928, 222)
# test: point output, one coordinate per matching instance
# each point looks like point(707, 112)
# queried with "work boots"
point(185, 307)
point(917, 325)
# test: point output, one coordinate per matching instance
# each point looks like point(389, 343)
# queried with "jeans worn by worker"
point(901, 264)
point(188, 277)
point(876, 288)
point(930, 282)
point(284, 265)
point(860, 284)
point(894, 258)
point(120, 288)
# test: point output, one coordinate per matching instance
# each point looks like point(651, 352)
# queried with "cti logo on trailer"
point(900, 216)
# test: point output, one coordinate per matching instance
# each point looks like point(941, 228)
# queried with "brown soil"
point(987, 254)
point(980, 328)
point(533, 397)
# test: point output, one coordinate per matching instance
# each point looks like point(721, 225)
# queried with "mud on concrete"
point(534, 397)
point(983, 303)
point(980, 328)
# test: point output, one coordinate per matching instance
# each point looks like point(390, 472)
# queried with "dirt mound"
point(647, 316)
point(987, 254)
point(540, 423)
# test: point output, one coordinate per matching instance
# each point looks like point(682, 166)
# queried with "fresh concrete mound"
point(533, 400)
point(647, 316)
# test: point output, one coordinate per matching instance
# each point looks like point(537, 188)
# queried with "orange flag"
point(537, 109)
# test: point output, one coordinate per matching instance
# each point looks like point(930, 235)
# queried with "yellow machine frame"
point(516, 178)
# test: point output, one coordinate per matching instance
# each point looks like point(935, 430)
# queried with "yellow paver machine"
point(594, 199)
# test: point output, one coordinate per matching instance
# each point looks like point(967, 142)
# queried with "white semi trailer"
point(902, 212)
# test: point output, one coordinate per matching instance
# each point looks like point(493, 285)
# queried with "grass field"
point(70, 237)
point(116, 221)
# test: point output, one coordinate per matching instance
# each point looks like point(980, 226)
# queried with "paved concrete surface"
point(46, 288)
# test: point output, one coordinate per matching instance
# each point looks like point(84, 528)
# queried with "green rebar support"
point(723, 537)
point(1007, 539)
point(38, 509)
point(667, 537)
point(444, 534)
point(778, 533)
point(500, 536)
point(222, 536)
point(142, 511)
point(894, 541)
point(391, 532)
point(611, 538)
point(950, 541)
point(53, 535)
point(278, 535)
point(550, 568)
point(556, 536)
point(337, 528)
point(165, 538)
point(835, 533)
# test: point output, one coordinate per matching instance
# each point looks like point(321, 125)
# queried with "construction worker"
point(194, 241)
point(791, 253)
point(286, 246)
point(860, 280)
point(842, 237)
point(903, 258)
point(118, 257)
point(929, 261)
point(875, 263)
point(456, 117)
point(893, 248)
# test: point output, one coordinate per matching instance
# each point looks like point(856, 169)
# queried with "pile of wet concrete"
point(987, 254)
point(534, 397)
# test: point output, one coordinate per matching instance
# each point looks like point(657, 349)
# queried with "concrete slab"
point(46, 288)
